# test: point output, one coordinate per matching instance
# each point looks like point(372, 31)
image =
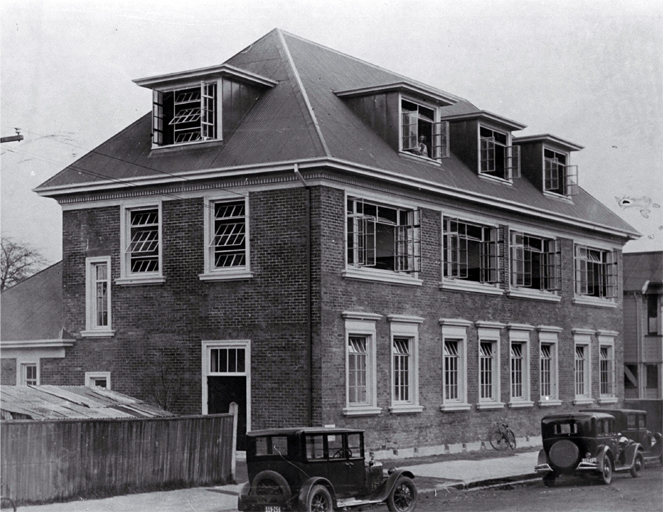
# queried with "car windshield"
point(567, 427)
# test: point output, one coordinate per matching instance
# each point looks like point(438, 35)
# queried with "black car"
point(586, 443)
point(319, 470)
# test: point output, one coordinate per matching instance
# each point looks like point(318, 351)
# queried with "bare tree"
point(18, 261)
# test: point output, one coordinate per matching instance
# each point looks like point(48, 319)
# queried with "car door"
point(345, 465)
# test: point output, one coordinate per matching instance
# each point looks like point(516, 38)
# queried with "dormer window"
point(421, 133)
point(185, 115)
point(559, 178)
point(498, 157)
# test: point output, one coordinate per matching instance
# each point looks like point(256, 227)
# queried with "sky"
point(590, 72)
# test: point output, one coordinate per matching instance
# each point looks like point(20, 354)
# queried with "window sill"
point(495, 179)
point(490, 405)
point(470, 286)
point(608, 400)
point(98, 334)
point(139, 280)
point(362, 411)
point(559, 197)
point(229, 275)
point(420, 158)
point(583, 401)
point(363, 274)
point(157, 150)
point(517, 404)
point(406, 409)
point(525, 293)
point(594, 301)
point(455, 407)
point(552, 402)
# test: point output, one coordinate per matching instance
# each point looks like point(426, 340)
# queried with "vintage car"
point(319, 470)
point(586, 443)
point(632, 423)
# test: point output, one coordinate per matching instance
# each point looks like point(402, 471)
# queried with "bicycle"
point(502, 437)
point(7, 503)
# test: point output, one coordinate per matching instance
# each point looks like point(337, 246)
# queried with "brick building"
point(326, 242)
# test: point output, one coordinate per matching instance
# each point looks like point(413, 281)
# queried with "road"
point(569, 494)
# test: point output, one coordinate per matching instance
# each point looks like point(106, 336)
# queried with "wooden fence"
point(45, 461)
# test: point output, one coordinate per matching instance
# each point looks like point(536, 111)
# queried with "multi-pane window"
point(142, 249)
point(98, 380)
point(383, 237)
point(358, 370)
point(559, 177)
point(606, 367)
point(582, 371)
point(227, 244)
point(535, 262)
point(98, 296)
point(470, 251)
point(547, 371)
point(421, 134)
point(29, 374)
point(452, 369)
point(402, 367)
point(517, 370)
point(487, 371)
point(185, 115)
point(596, 272)
point(652, 314)
point(230, 360)
point(101, 282)
point(498, 157)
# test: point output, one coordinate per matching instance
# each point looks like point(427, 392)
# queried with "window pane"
point(143, 246)
point(229, 239)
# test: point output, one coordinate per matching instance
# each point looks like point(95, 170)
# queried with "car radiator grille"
point(563, 454)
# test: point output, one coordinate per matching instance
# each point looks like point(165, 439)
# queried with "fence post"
point(234, 410)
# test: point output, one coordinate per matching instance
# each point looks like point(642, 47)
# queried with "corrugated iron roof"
point(67, 402)
point(302, 118)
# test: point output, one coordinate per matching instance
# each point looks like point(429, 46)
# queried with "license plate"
point(272, 508)
point(590, 460)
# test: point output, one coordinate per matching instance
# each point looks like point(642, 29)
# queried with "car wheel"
point(270, 483)
point(403, 497)
point(549, 479)
point(606, 474)
point(638, 466)
point(319, 500)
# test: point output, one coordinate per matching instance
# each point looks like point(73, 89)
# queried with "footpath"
point(432, 474)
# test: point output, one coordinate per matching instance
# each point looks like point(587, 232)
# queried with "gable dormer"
point(201, 105)
point(546, 162)
point(406, 115)
point(483, 141)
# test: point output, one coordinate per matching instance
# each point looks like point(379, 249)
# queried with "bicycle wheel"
point(7, 504)
point(511, 439)
point(498, 441)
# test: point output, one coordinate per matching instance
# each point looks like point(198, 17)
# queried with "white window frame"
point(607, 341)
point(511, 154)
point(489, 332)
point(236, 272)
point(91, 327)
point(406, 327)
point(21, 373)
point(608, 270)
point(582, 338)
point(438, 145)
point(453, 259)
point(210, 122)
point(550, 264)
point(520, 334)
point(91, 377)
point(567, 175)
point(126, 276)
point(455, 330)
point(362, 325)
point(549, 336)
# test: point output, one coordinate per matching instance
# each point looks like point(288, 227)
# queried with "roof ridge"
point(300, 84)
point(375, 66)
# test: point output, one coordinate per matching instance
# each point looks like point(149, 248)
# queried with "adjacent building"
point(325, 242)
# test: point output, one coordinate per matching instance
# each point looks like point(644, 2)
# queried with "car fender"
point(602, 450)
point(382, 492)
point(630, 452)
point(306, 487)
point(542, 458)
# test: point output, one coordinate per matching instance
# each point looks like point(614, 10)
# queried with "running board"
point(354, 502)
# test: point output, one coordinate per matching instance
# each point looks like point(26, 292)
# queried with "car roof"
point(618, 411)
point(302, 430)
point(577, 415)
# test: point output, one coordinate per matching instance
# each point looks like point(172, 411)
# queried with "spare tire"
point(270, 483)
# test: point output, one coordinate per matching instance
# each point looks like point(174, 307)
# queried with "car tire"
point(403, 497)
point(549, 479)
point(638, 466)
point(270, 483)
point(319, 500)
point(606, 473)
